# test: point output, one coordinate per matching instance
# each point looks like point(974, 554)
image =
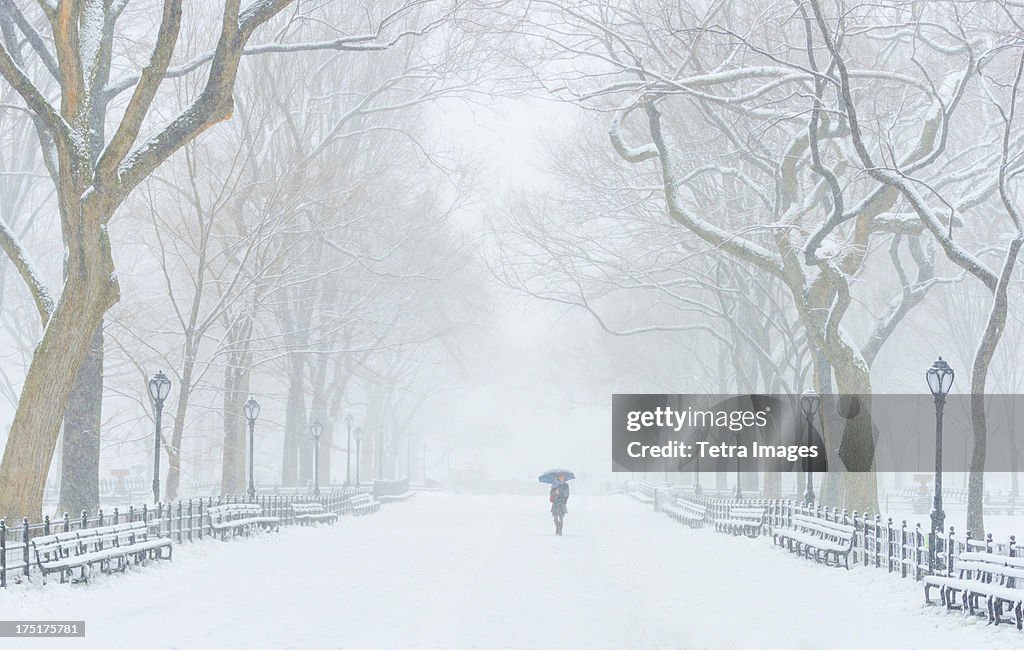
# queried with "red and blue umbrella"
point(551, 475)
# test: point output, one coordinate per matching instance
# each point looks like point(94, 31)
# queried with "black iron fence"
point(879, 542)
point(183, 521)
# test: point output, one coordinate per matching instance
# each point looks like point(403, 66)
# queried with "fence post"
point(3, 553)
point(179, 521)
point(85, 520)
point(67, 522)
point(903, 549)
point(24, 539)
point(855, 549)
point(99, 516)
point(888, 544)
point(918, 544)
point(46, 525)
point(190, 522)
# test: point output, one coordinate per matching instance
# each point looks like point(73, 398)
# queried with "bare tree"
point(94, 172)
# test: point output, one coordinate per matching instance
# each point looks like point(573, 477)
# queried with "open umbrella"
point(551, 475)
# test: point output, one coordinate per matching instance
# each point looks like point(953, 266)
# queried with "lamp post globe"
point(251, 408)
point(349, 421)
point(809, 402)
point(317, 430)
point(159, 389)
point(939, 378)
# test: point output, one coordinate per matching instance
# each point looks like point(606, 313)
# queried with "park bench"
point(108, 546)
point(309, 513)
point(363, 504)
point(998, 579)
point(685, 512)
point(236, 518)
point(741, 520)
point(826, 538)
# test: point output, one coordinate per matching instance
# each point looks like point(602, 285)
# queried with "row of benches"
point(115, 547)
point(827, 540)
point(996, 579)
point(686, 512)
point(110, 547)
point(981, 581)
point(824, 540)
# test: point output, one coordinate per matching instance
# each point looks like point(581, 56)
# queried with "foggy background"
point(440, 239)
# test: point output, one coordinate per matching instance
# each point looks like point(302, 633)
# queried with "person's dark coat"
point(559, 498)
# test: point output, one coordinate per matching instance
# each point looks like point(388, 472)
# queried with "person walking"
point(559, 497)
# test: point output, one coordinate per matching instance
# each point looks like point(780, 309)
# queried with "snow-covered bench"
point(308, 513)
point(998, 579)
point(685, 512)
point(363, 504)
point(741, 520)
point(108, 546)
point(235, 518)
point(826, 538)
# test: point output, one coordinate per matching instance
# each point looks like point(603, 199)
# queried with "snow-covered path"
point(487, 572)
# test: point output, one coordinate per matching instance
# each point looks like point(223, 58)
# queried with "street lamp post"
point(348, 450)
point(359, 440)
point(696, 474)
point(159, 388)
point(940, 380)
point(739, 492)
point(809, 405)
point(380, 452)
point(317, 429)
point(252, 411)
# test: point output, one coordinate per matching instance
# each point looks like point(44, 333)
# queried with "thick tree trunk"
point(80, 451)
point(979, 376)
point(233, 467)
point(857, 449)
point(88, 293)
point(295, 428)
point(318, 411)
point(173, 449)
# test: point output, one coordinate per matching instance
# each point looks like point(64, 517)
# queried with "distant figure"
point(559, 497)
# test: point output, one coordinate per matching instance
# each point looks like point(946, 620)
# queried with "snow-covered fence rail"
point(645, 491)
point(182, 521)
point(896, 546)
point(388, 490)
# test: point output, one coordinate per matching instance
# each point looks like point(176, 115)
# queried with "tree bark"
point(173, 448)
point(233, 465)
point(234, 477)
point(979, 376)
point(80, 451)
point(318, 411)
point(89, 291)
point(295, 426)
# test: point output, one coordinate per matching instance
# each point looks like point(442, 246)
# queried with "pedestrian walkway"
point(453, 572)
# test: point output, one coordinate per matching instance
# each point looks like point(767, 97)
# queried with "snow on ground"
point(444, 571)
